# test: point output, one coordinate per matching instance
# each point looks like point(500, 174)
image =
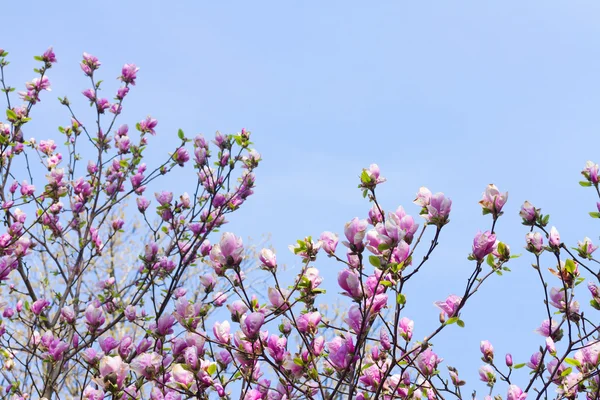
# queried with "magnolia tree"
point(84, 318)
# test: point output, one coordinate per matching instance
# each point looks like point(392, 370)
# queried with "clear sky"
point(452, 95)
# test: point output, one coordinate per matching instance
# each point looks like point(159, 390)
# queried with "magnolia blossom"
point(438, 210)
point(554, 238)
point(515, 393)
point(113, 369)
point(529, 213)
point(182, 376)
point(340, 352)
point(268, 259)
point(487, 350)
point(147, 364)
point(548, 328)
point(493, 200)
point(229, 251)
point(586, 248)
point(487, 374)
point(221, 331)
point(329, 242)
point(591, 172)
point(483, 244)
point(355, 232)
point(450, 305)
point(405, 328)
point(535, 242)
point(427, 361)
point(308, 323)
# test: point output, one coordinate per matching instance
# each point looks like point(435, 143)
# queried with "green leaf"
point(10, 114)
point(180, 134)
point(298, 361)
point(570, 266)
point(401, 299)
point(595, 214)
point(364, 177)
point(519, 366)
point(585, 183)
point(490, 260)
point(38, 58)
point(452, 321)
point(375, 261)
point(460, 323)
point(572, 361)
point(566, 371)
point(212, 368)
point(383, 247)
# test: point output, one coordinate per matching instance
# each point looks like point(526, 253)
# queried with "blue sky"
point(449, 95)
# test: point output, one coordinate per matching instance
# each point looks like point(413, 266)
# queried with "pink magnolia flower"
point(586, 248)
point(375, 215)
point(147, 125)
point(113, 370)
point(591, 354)
point(548, 328)
point(129, 73)
point(341, 352)
point(384, 339)
point(535, 361)
point(554, 238)
point(48, 56)
point(278, 299)
point(423, 197)
point(508, 359)
point(312, 274)
point(130, 313)
point(591, 172)
point(237, 310)
point(89, 64)
point(219, 298)
point(26, 189)
point(308, 323)
point(268, 258)
point(487, 350)
point(350, 283)
point(515, 393)
point(405, 328)
point(450, 305)
point(483, 244)
point(355, 231)
point(182, 376)
point(142, 203)
point(558, 300)
point(428, 362)
point(222, 332)
point(147, 364)
point(438, 210)
point(252, 323)
point(535, 242)
point(407, 224)
point(354, 319)
point(487, 374)
point(39, 306)
point(493, 201)
point(371, 177)
point(550, 346)
point(229, 251)
point(529, 213)
point(277, 348)
point(329, 242)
